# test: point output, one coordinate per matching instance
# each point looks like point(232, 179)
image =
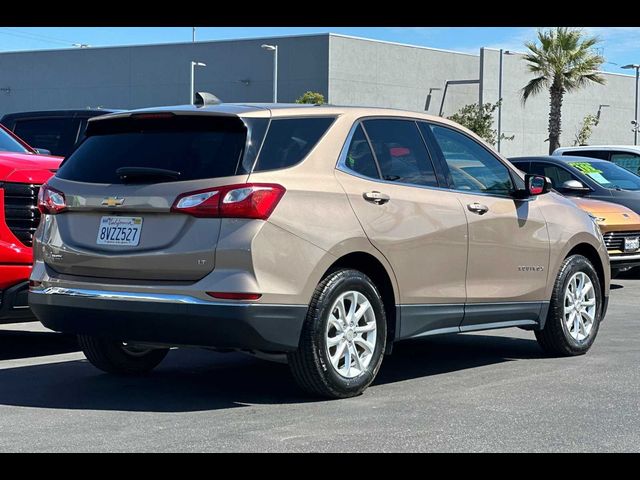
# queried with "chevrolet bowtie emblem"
point(113, 201)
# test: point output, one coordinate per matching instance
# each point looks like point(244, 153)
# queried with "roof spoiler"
point(202, 99)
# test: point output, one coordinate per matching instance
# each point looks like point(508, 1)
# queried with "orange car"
point(620, 227)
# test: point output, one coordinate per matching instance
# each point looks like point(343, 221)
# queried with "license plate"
point(119, 231)
point(631, 244)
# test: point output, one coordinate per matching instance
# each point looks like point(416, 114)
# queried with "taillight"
point(249, 200)
point(51, 200)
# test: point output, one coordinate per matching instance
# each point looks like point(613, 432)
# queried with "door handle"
point(478, 208)
point(376, 197)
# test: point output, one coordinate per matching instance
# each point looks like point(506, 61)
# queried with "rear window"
point(289, 140)
point(195, 147)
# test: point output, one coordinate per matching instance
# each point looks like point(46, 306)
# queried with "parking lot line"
point(47, 359)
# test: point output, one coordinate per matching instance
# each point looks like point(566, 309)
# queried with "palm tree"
point(563, 61)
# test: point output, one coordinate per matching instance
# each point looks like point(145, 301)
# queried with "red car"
point(22, 171)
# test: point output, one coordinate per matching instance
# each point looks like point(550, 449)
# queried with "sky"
point(620, 45)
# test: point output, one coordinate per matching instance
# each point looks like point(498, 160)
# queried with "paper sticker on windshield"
point(598, 178)
point(585, 167)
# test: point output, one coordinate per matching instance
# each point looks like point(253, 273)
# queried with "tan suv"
point(322, 232)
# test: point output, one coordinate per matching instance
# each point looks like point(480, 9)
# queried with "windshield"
point(9, 144)
point(608, 174)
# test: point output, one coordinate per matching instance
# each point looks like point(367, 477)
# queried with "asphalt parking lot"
point(490, 391)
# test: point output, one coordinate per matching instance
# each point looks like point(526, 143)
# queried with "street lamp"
point(274, 49)
point(502, 53)
point(192, 86)
point(600, 107)
point(427, 104)
point(635, 116)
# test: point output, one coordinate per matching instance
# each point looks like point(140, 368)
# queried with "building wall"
point(372, 73)
point(347, 70)
point(140, 76)
point(529, 122)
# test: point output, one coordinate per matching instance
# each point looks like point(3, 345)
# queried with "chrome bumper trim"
point(133, 296)
point(622, 257)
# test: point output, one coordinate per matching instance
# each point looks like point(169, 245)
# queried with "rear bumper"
point(170, 319)
point(13, 304)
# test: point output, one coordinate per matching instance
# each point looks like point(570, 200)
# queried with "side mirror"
point(573, 186)
point(536, 184)
point(42, 151)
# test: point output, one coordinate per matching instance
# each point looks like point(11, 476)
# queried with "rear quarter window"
point(289, 141)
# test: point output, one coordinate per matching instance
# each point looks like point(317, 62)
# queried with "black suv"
point(54, 131)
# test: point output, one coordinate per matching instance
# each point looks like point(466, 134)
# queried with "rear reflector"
point(235, 296)
point(249, 200)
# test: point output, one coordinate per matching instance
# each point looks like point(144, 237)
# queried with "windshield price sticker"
point(585, 167)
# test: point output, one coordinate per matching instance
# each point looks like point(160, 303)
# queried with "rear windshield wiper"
point(132, 173)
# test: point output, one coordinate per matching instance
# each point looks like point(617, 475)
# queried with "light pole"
point(427, 104)
point(500, 75)
point(274, 49)
point(192, 85)
point(193, 34)
point(635, 116)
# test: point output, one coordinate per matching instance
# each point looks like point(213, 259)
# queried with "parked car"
point(586, 177)
point(22, 171)
point(620, 227)
point(625, 156)
point(325, 233)
point(56, 131)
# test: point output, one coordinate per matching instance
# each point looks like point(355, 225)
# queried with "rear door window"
point(195, 147)
point(289, 141)
point(400, 151)
point(56, 134)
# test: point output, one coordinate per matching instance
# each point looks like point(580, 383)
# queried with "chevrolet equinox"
point(323, 233)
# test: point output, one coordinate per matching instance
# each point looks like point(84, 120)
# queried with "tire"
point(312, 365)
point(111, 356)
point(556, 337)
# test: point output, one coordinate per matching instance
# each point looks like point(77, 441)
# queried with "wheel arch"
point(591, 253)
point(384, 281)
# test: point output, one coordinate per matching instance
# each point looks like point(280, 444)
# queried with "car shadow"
point(632, 274)
point(16, 344)
point(198, 380)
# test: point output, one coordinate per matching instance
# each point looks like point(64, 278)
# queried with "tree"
point(586, 129)
point(311, 97)
point(563, 61)
point(480, 121)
